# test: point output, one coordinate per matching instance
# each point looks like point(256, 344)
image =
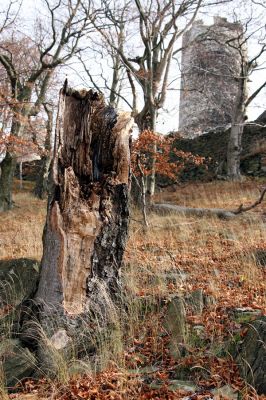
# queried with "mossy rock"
point(175, 325)
point(18, 283)
point(17, 362)
point(196, 337)
point(195, 301)
point(252, 355)
point(245, 315)
point(182, 372)
point(260, 257)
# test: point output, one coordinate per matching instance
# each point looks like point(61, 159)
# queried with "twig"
point(255, 204)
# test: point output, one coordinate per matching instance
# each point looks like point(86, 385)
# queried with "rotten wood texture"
point(87, 219)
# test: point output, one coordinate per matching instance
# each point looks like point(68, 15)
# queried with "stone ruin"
point(209, 71)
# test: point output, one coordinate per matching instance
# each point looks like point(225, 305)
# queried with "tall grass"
point(175, 255)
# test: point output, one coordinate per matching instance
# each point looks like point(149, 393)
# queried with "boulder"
point(175, 325)
point(16, 361)
point(260, 257)
point(55, 353)
point(252, 355)
point(18, 282)
point(245, 314)
point(196, 301)
point(225, 392)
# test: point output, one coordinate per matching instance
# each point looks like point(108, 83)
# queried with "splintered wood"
point(87, 217)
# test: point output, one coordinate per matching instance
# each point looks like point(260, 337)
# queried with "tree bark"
point(87, 219)
point(147, 120)
point(21, 175)
point(234, 149)
point(41, 186)
point(8, 166)
point(6, 179)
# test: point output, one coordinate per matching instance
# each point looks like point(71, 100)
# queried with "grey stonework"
point(209, 71)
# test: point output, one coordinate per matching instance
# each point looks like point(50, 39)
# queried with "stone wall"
point(213, 146)
point(208, 76)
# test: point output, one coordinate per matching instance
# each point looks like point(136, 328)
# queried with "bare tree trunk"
point(143, 193)
point(152, 178)
point(21, 175)
point(234, 150)
point(6, 180)
point(41, 186)
point(8, 166)
point(234, 146)
point(146, 120)
point(87, 218)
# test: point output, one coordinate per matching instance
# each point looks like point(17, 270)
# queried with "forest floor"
point(177, 255)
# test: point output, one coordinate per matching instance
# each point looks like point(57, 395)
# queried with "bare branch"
point(242, 209)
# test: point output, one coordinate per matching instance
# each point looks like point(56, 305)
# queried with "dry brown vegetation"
point(221, 257)
point(21, 228)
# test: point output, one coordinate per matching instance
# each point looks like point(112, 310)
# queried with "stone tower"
point(209, 71)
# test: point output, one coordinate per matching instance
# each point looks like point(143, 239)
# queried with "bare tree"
point(158, 33)
point(9, 14)
point(148, 60)
point(243, 99)
point(69, 21)
point(147, 54)
point(110, 77)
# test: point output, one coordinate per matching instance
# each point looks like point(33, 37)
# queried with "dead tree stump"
point(87, 218)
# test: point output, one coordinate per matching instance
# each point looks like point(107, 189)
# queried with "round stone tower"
point(210, 69)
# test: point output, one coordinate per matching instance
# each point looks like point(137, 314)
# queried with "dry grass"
point(21, 228)
point(227, 195)
point(208, 252)
point(216, 255)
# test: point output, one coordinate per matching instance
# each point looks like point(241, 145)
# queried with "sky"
point(168, 117)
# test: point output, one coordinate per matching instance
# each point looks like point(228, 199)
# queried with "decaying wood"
point(87, 219)
point(200, 212)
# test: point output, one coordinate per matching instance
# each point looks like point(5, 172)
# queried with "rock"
point(209, 300)
point(60, 339)
point(17, 362)
point(225, 391)
point(55, 353)
point(196, 337)
point(168, 277)
point(252, 355)
point(195, 301)
point(176, 384)
point(181, 372)
point(260, 257)
point(245, 314)
point(175, 325)
point(18, 284)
